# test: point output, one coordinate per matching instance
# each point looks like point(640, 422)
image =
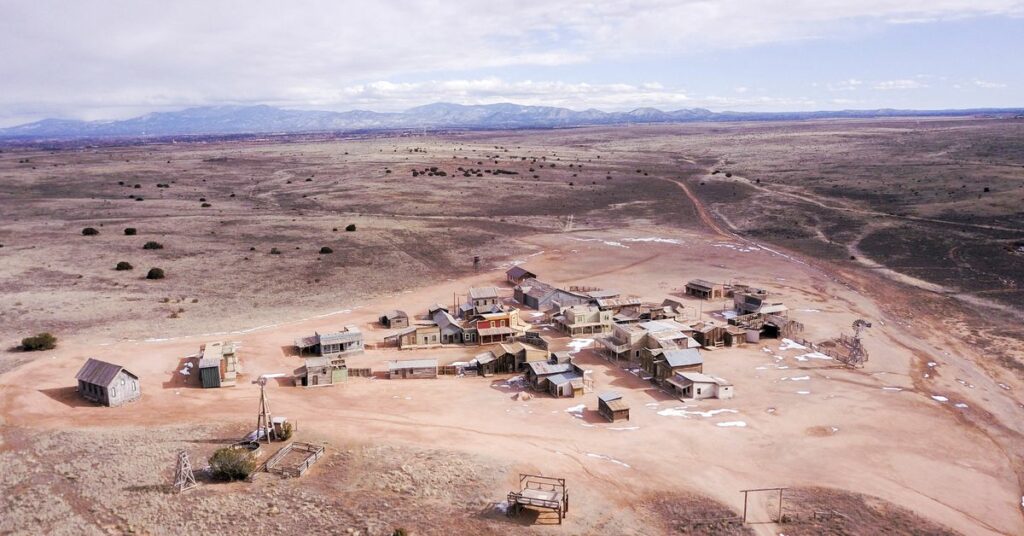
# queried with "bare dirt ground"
point(932, 424)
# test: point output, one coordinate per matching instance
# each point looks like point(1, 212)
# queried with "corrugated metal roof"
point(564, 378)
point(483, 293)
point(518, 271)
point(682, 357)
point(412, 363)
point(350, 334)
point(608, 396)
point(542, 368)
point(99, 372)
point(701, 283)
point(485, 357)
point(395, 314)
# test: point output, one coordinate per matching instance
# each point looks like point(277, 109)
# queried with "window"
point(698, 390)
point(113, 392)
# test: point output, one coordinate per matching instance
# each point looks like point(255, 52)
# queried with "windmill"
point(264, 421)
point(184, 479)
point(567, 224)
point(857, 355)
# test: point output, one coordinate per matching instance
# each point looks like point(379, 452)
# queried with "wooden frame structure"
point(273, 464)
point(541, 492)
point(746, 491)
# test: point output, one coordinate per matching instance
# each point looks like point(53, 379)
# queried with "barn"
point(517, 274)
point(107, 384)
point(412, 368)
point(395, 319)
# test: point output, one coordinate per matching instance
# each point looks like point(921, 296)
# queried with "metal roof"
point(701, 283)
point(99, 372)
point(412, 363)
point(682, 357)
point(519, 271)
point(542, 368)
point(565, 377)
point(608, 396)
point(485, 357)
point(603, 294)
point(395, 314)
point(483, 292)
point(350, 334)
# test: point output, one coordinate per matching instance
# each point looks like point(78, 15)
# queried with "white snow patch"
point(681, 411)
point(797, 378)
point(535, 315)
point(576, 411)
point(960, 405)
point(812, 355)
point(892, 388)
point(788, 344)
point(809, 310)
point(735, 424)
point(579, 344)
point(940, 398)
point(184, 372)
point(626, 428)
point(803, 392)
point(932, 364)
point(654, 239)
point(608, 458)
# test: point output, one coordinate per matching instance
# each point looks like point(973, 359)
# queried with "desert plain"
point(900, 222)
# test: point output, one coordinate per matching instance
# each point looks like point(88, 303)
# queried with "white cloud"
point(887, 85)
point(989, 85)
point(845, 85)
point(93, 58)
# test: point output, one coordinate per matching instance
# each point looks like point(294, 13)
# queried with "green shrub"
point(42, 341)
point(155, 273)
point(130, 231)
point(90, 231)
point(350, 227)
point(123, 265)
point(232, 464)
point(325, 250)
point(275, 251)
point(286, 431)
point(152, 245)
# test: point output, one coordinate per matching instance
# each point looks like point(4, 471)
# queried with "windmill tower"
point(184, 479)
point(857, 355)
point(567, 224)
point(264, 421)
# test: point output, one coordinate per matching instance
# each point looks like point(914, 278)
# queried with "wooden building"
point(218, 365)
point(420, 334)
point(611, 406)
point(664, 364)
point(107, 384)
point(697, 386)
point(481, 300)
point(394, 319)
point(517, 274)
point(348, 341)
point(412, 368)
point(705, 290)
point(539, 295)
point(583, 320)
point(321, 371)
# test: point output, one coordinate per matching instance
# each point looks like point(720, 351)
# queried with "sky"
point(106, 60)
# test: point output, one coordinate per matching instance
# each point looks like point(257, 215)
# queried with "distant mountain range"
point(262, 119)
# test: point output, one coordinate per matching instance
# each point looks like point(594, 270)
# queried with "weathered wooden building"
point(538, 295)
point(348, 341)
point(664, 364)
point(517, 274)
point(321, 371)
point(218, 365)
point(705, 290)
point(422, 333)
point(583, 320)
point(412, 368)
point(611, 406)
point(697, 386)
point(394, 319)
point(107, 384)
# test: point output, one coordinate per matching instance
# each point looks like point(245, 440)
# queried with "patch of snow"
point(932, 364)
point(803, 392)
point(626, 428)
point(608, 458)
point(960, 405)
point(681, 411)
point(892, 388)
point(654, 239)
point(184, 372)
point(812, 355)
point(579, 344)
point(797, 378)
point(809, 310)
point(788, 344)
point(940, 398)
point(535, 315)
point(734, 424)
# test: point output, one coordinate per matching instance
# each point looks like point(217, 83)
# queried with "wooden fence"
point(360, 372)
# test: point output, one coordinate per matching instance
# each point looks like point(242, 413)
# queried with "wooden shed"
point(705, 290)
point(321, 371)
point(612, 407)
point(107, 384)
point(394, 319)
point(412, 368)
point(517, 274)
point(218, 365)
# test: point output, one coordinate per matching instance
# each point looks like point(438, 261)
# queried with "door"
point(314, 380)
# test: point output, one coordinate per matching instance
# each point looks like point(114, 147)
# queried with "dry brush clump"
point(38, 342)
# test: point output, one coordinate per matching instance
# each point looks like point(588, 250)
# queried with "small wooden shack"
point(612, 407)
point(517, 274)
point(218, 365)
point(321, 371)
point(412, 368)
point(107, 384)
point(697, 386)
point(705, 290)
point(677, 360)
point(395, 319)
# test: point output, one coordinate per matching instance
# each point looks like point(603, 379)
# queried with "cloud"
point(93, 58)
point(989, 85)
point(845, 85)
point(888, 85)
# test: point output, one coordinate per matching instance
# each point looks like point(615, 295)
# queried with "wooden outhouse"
point(611, 406)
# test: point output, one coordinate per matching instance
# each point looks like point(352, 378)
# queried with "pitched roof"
point(704, 284)
point(608, 396)
point(395, 314)
point(682, 357)
point(566, 377)
point(518, 271)
point(412, 363)
point(350, 333)
point(99, 372)
point(542, 368)
point(483, 292)
point(485, 357)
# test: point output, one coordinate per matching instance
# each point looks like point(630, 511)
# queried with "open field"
point(927, 438)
